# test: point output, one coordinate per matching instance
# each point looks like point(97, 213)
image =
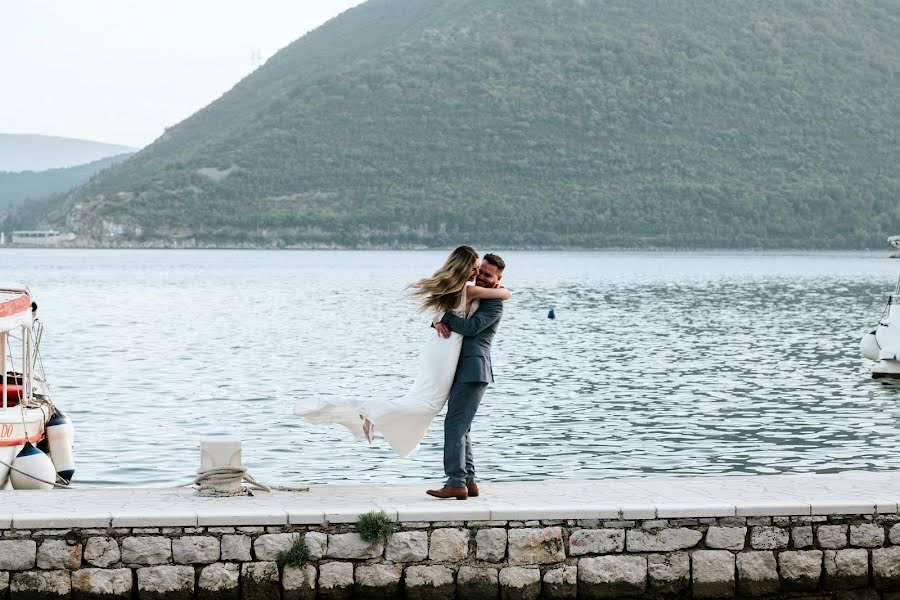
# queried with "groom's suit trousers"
point(461, 408)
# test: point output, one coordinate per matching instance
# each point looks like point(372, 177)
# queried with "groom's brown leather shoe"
point(460, 493)
point(473, 489)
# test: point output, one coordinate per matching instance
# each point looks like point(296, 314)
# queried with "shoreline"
point(560, 249)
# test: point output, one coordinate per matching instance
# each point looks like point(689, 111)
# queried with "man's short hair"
point(495, 260)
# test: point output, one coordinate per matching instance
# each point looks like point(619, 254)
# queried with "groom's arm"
point(486, 315)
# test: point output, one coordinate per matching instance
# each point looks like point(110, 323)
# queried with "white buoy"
point(868, 346)
point(60, 439)
point(30, 466)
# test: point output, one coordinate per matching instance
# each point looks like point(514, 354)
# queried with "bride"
point(403, 421)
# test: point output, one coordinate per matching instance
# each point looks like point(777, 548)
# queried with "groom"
point(473, 374)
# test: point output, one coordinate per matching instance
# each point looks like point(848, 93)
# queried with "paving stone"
point(195, 549)
point(846, 569)
point(351, 545)
point(237, 547)
point(477, 583)
point(832, 537)
point(108, 583)
point(800, 570)
point(490, 544)
point(665, 540)
point(802, 537)
point(726, 538)
point(867, 535)
point(175, 582)
point(260, 581)
point(219, 581)
point(886, 568)
point(298, 582)
point(33, 585)
point(712, 574)
point(316, 544)
point(449, 545)
point(612, 576)
point(668, 574)
point(596, 541)
point(561, 583)
point(17, 555)
point(267, 546)
point(757, 573)
point(520, 583)
point(378, 581)
point(429, 582)
point(58, 554)
point(769, 538)
point(536, 546)
point(146, 551)
point(101, 551)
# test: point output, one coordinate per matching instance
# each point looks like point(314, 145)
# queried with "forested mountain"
point(27, 152)
point(18, 187)
point(665, 123)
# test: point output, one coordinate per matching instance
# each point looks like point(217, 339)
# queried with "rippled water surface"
point(676, 363)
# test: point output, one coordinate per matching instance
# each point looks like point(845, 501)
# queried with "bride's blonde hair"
point(441, 290)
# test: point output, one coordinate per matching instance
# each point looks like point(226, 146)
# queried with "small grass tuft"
point(374, 525)
point(296, 555)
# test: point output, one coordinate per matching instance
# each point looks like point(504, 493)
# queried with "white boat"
point(46, 237)
point(27, 413)
point(894, 242)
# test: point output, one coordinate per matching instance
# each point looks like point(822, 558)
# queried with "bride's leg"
point(369, 429)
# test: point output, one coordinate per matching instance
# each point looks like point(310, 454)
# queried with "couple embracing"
point(465, 299)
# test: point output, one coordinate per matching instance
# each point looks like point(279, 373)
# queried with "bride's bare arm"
point(473, 292)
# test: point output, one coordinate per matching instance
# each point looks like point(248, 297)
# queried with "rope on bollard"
point(232, 475)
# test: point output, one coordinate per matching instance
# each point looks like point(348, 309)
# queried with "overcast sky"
point(120, 71)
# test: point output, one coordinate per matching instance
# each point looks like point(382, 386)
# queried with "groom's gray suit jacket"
point(478, 331)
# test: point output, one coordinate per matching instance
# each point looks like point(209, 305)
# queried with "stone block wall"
point(843, 557)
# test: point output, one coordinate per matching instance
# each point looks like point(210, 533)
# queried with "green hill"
point(16, 188)
point(537, 123)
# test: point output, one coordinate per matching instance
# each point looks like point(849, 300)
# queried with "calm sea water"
point(677, 363)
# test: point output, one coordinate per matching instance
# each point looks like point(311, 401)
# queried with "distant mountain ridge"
point(524, 123)
point(16, 188)
point(31, 152)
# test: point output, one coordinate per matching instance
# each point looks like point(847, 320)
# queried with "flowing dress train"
point(403, 420)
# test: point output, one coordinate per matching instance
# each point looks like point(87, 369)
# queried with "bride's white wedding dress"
point(402, 421)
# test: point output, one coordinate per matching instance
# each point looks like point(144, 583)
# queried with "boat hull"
point(16, 427)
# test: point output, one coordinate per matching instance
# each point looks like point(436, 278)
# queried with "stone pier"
point(810, 537)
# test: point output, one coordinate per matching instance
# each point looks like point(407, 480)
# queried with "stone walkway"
point(635, 498)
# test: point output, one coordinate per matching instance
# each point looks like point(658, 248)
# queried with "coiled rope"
point(208, 479)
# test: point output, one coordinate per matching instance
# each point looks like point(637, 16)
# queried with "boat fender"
point(868, 346)
point(60, 440)
point(29, 467)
